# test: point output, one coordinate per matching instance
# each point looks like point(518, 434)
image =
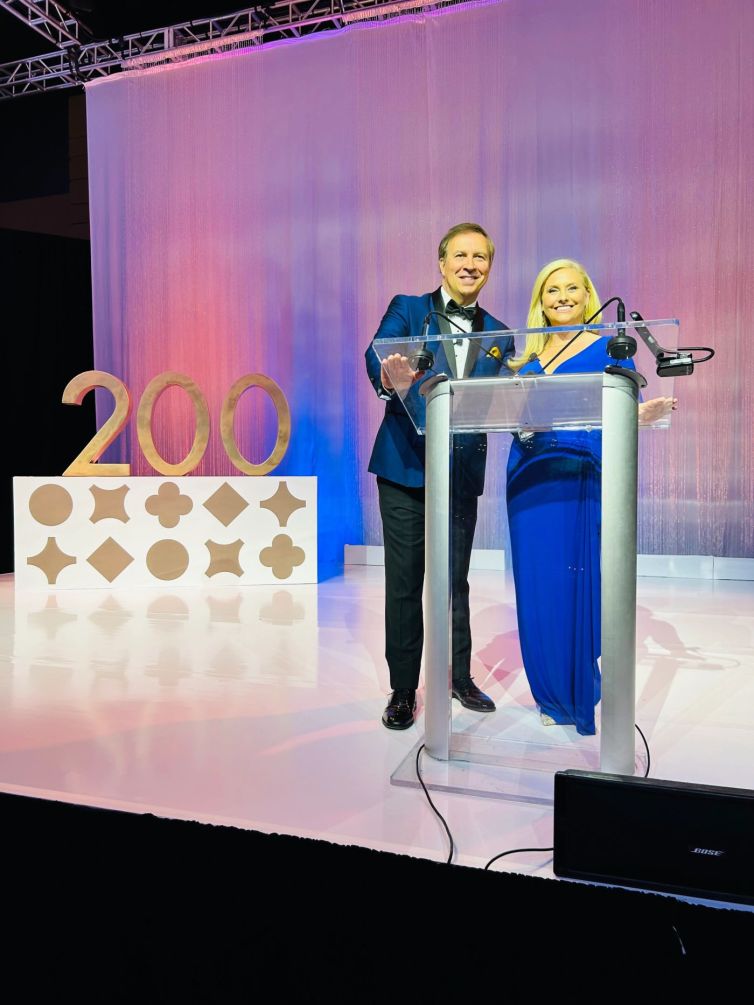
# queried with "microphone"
point(424, 359)
point(621, 345)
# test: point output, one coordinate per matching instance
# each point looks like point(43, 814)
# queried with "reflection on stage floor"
point(260, 707)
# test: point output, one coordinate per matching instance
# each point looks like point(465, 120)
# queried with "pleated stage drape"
point(256, 211)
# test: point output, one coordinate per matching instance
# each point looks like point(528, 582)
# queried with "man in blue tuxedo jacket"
point(465, 257)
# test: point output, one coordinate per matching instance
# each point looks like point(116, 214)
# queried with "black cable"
point(678, 362)
point(560, 351)
point(439, 314)
point(512, 852)
point(429, 800)
point(73, 56)
point(588, 321)
point(697, 348)
point(424, 360)
point(447, 829)
point(646, 747)
point(600, 309)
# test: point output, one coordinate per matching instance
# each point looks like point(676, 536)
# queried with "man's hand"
point(396, 374)
point(655, 409)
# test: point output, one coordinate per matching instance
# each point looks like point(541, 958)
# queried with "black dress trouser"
point(402, 511)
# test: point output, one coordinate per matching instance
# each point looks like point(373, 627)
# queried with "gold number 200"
point(86, 462)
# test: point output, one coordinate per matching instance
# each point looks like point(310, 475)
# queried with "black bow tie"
point(453, 308)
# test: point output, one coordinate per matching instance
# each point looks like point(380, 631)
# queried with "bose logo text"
point(707, 851)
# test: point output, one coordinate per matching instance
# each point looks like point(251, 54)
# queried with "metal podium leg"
point(436, 575)
point(619, 474)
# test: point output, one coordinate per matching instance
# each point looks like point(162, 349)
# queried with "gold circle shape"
point(50, 505)
point(167, 559)
point(228, 414)
point(152, 392)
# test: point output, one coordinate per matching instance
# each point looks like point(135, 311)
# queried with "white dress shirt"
point(461, 347)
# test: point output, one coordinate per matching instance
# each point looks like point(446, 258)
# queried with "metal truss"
point(79, 61)
point(50, 20)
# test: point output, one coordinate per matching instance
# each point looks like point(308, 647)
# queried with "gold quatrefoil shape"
point(169, 505)
point(282, 556)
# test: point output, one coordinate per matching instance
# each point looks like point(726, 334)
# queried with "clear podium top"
point(500, 389)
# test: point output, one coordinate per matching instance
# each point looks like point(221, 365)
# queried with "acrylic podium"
point(440, 407)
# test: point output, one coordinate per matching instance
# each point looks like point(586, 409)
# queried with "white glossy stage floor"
point(260, 707)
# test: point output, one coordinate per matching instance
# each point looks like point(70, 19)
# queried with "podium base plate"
point(520, 769)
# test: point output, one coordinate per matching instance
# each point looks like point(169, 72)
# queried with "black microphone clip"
point(621, 345)
point(423, 359)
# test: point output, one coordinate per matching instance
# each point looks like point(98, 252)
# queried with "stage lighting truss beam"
point(51, 20)
point(78, 62)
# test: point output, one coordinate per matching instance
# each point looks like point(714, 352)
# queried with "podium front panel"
point(515, 737)
point(512, 737)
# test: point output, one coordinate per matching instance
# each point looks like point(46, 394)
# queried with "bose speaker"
point(696, 840)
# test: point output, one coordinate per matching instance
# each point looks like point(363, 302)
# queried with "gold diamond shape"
point(110, 559)
point(226, 504)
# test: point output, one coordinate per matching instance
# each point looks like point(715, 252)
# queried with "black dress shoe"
point(471, 697)
point(399, 713)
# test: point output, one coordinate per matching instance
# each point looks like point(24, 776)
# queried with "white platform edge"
point(734, 568)
point(372, 554)
point(661, 566)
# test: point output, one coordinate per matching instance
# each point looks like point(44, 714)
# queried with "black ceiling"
point(110, 20)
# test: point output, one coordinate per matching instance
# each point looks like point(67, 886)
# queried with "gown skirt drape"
point(554, 514)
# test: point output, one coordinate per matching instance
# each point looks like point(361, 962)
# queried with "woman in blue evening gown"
point(554, 510)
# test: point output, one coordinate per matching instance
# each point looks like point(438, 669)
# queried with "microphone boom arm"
point(678, 362)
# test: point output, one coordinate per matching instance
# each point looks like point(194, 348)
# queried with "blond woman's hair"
point(535, 344)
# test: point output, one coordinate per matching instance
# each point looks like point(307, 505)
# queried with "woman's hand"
point(656, 409)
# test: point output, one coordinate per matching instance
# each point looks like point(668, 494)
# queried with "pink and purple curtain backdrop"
point(255, 212)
